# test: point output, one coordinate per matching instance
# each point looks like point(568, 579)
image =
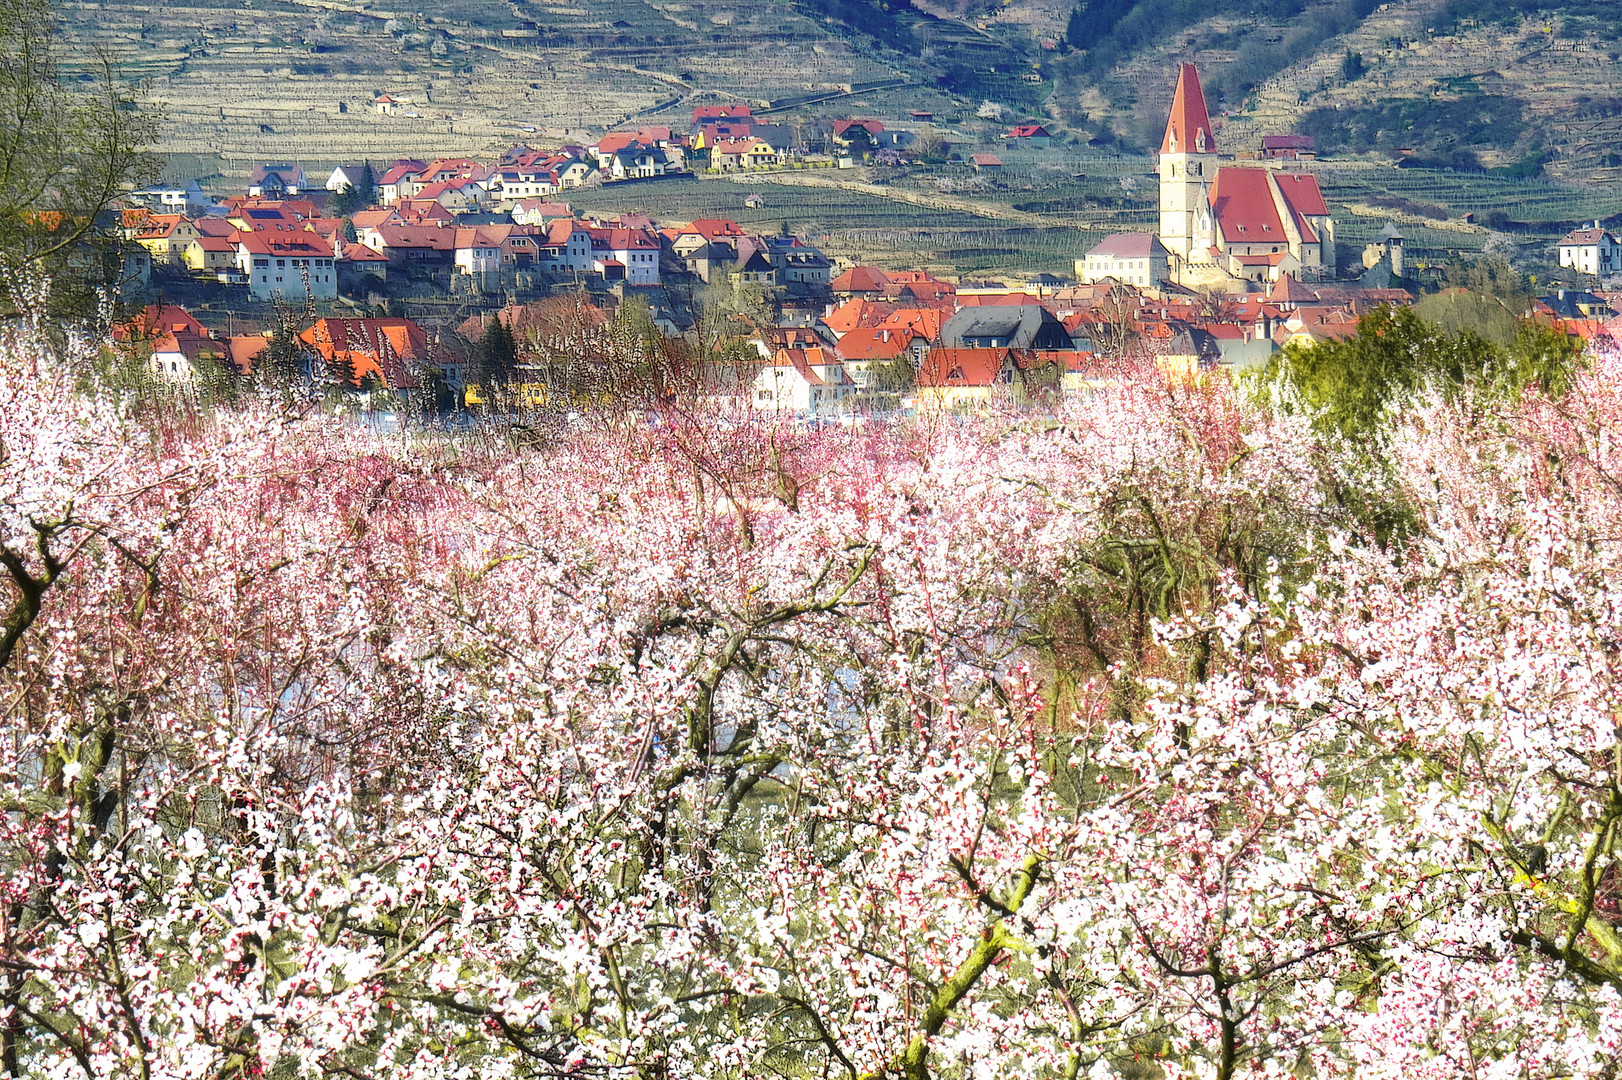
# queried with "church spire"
point(1188, 131)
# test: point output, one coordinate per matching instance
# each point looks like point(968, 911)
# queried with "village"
point(1244, 264)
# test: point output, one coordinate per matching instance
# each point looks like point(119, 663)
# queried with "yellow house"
point(167, 236)
point(208, 254)
point(746, 153)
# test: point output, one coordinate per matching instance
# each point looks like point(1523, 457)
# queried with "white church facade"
point(1234, 223)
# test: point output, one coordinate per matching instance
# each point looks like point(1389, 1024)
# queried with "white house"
point(277, 181)
point(344, 177)
point(1130, 258)
point(284, 266)
point(806, 381)
point(180, 199)
point(1592, 251)
point(478, 249)
point(629, 250)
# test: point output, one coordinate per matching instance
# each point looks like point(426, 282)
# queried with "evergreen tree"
point(497, 356)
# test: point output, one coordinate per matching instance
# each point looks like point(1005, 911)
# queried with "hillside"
point(1468, 83)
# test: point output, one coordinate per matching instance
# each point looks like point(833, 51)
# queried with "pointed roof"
point(1287, 290)
point(1188, 117)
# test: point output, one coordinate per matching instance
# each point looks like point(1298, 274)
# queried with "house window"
point(261, 264)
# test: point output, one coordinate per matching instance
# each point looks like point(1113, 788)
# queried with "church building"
point(1227, 222)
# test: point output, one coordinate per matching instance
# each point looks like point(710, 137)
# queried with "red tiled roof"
point(746, 145)
point(711, 228)
point(301, 247)
point(1028, 131)
point(1242, 203)
point(961, 367)
point(1584, 237)
point(1189, 118)
point(860, 279)
point(385, 347)
point(217, 244)
point(872, 127)
point(925, 322)
point(157, 319)
point(985, 159)
point(714, 112)
point(873, 343)
point(616, 140)
point(1287, 290)
point(417, 236)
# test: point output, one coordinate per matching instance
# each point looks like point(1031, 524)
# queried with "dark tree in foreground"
point(65, 153)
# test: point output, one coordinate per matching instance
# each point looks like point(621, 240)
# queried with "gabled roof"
point(216, 244)
point(360, 253)
point(1189, 119)
point(307, 246)
point(1301, 191)
point(747, 145)
point(213, 226)
point(712, 228)
point(1586, 237)
point(291, 175)
point(803, 360)
point(440, 187)
point(922, 322)
point(1287, 290)
point(156, 319)
point(401, 170)
point(482, 236)
point(617, 140)
point(1028, 131)
point(874, 343)
point(860, 279)
point(388, 348)
point(1242, 203)
point(943, 368)
point(1129, 246)
point(986, 160)
point(1027, 326)
point(430, 237)
point(1288, 142)
point(244, 350)
point(370, 219)
point(715, 112)
point(872, 127)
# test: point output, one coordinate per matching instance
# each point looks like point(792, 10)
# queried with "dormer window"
point(1199, 141)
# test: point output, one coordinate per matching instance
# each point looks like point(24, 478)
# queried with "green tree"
point(1456, 310)
point(1350, 384)
point(65, 153)
point(1352, 66)
point(356, 196)
point(497, 356)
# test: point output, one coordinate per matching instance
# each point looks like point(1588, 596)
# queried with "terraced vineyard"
point(265, 79)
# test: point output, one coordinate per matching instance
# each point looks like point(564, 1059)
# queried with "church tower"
point(1188, 163)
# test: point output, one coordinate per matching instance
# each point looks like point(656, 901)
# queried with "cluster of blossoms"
point(1118, 742)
